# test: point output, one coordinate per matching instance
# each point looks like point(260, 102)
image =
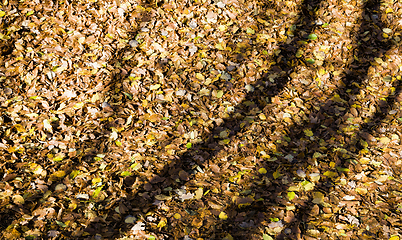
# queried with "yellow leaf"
point(250, 31)
point(364, 160)
point(57, 175)
point(308, 132)
point(72, 206)
point(177, 216)
point(222, 28)
point(154, 87)
point(395, 237)
point(161, 224)
point(110, 35)
point(14, 234)
point(219, 94)
point(276, 174)
point(321, 71)
point(204, 92)
point(262, 170)
point(2, 13)
point(308, 186)
point(59, 157)
point(219, 46)
point(291, 195)
point(78, 105)
point(385, 140)
point(382, 178)
point(228, 237)
point(331, 174)
point(223, 216)
point(95, 98)
point(389, 10)
point(37, 170)
point(293, 189)
point(199, 76)
point(361, 191)
point(199, 193)
point(19, 128)
point(18, 199)
point(118, 143)
point(262, 116)
point(96, 180)
point(318, 198)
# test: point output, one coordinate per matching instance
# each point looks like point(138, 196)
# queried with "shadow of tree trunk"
point(326, 121)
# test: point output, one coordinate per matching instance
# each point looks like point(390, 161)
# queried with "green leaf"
point(266, 237)
point(312, 36)
point(61, 224)
point(128, 95)
point(325, 25)
point(74, 173)
point(30, 13)
point(340, 169)
point(151, 238)
point(136, 166)
point(125, 174)
point(299, 53)
point(97, 191)
point(274, 219)
point(189, 145)
point(58, 158)
point(226, 141)
point(291, 195)
point(310, 60)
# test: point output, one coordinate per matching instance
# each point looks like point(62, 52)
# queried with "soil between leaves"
point(200, 120)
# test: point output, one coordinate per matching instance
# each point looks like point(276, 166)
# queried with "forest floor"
point(200, 119)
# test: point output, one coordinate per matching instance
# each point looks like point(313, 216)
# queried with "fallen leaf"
point(291, 195)
point(18, 199)
point(223, 216)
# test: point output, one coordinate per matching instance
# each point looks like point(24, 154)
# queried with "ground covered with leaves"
point(200, 119)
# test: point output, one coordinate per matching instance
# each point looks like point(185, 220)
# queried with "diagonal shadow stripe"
point(210, 147)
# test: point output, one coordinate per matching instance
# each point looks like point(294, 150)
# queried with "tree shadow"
point(267, 197)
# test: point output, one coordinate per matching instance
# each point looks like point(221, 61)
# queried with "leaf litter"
point(200, 120)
